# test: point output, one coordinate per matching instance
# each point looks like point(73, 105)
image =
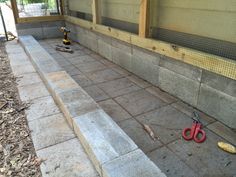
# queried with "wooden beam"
point(96, 11)
point(40, 19)
point(144, 18)
point(62, 6)
point(219, 65)
point(15, 10)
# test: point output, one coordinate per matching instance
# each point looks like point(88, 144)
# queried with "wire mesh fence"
point(34, 8)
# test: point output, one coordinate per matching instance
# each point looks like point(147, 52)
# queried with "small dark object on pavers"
point(64, 49)
point(228, 163)
point(148, 129)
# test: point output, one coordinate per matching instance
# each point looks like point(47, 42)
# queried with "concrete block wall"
point(41, 30)
point(207, 91)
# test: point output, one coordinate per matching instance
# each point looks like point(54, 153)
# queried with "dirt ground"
point(17, 154)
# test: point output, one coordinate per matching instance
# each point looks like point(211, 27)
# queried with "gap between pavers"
point(107, 145)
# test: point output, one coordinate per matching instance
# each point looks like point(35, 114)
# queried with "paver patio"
point(131, 102)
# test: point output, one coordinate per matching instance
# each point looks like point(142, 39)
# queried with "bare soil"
point(17, 153)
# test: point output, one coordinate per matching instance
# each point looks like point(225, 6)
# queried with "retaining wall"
point(41, 30)
point(207, 91)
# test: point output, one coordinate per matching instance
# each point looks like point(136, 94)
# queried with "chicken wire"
point(34, 8)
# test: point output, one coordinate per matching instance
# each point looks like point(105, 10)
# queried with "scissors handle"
point(191, 130)
point(198, 131)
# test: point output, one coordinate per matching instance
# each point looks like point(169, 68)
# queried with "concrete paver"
point(139, 102)
point(82, 80)
point(114, 110)
point(33, 91)
point(149, 105)
point(66, 159)
point(96, 93)
point(41, 107)
point(19, 70)
point(49, 131)
point(206, 158)
point(122, 166)
point(90, 67)
point(118, 87)
point(223, 131)
point(72, 70)
point(28, 79)
point(166, 122)
point(103, 75)
point(170, 164)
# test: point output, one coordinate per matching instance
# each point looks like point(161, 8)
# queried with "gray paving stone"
point(102, 138)
point(167, 123)
point(179, 86)
point(72, 70)
point(66, 159)
point(205, 158)
point(71, 55)
point(140, 82)
point(81, 59)
point(14, 49)
point(57, 56)
point(74, 103)
point(19, 70)
point(133, 164)
point(18, 59)
point(136, 132)
point(223, 131)
point(121, 71)
point(220, 83)
point(161, 94)
point(28, 79)
point(118, 87)
point(49, 66)
point(103, 75)
point(188, 110)
point(189, 71)
point(33, 91)
point(82, 80)
point(60, 82)
point(91, 67)
point(224, 110)
point(115, 111)
point(41, 107)
point(96, 93)
point(107, 63)
point(63, 62)
point(49, 131)
point(170, 164)
point(139, 102)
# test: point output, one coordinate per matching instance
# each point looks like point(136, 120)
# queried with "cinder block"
point(102, 138)
point(179, 86)
point(92, 43)
point(221, 83)
point(52, 32)
point(145, 65)
point(122, 58)
point(125, 47)
point(71, 27)
point(217, 104)
point(36, 32)
point(181, 68)
point(58, 24)
point(133, 164)
point(104, 49)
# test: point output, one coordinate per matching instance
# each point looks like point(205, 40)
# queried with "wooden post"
point(62, 6)
point(15, 10)
point(96, 11)
point(144, 19)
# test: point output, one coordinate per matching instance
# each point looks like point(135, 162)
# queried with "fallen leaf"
point(148, 129)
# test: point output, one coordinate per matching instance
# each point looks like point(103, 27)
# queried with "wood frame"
point(213, 63)
point(96, 11)
point(144, 18)
point(34, 19)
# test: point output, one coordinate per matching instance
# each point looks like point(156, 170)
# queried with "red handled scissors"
point(195, 131)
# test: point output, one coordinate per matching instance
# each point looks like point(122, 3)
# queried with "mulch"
point(17, 153)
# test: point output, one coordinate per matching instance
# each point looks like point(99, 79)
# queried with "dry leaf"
point(148, 129)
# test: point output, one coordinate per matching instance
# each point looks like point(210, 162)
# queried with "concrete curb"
point(112, 152)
